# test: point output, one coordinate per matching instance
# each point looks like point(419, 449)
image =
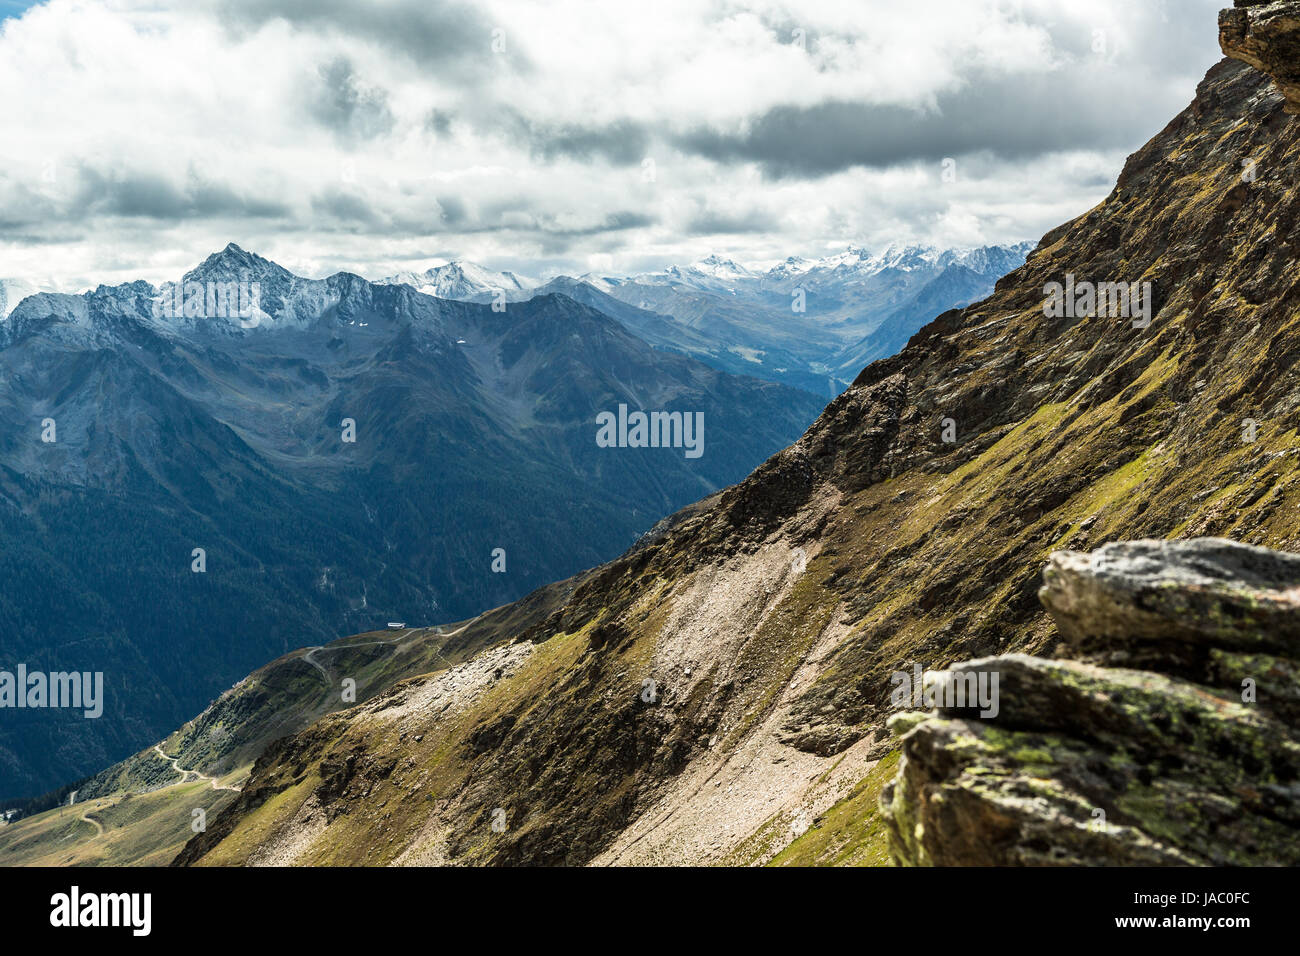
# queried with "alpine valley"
point(205, 492)
point(338, 452)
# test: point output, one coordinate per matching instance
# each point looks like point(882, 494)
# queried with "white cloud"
point(373, 137)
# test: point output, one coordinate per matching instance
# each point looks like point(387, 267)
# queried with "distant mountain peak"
point(461, 279)
point(715, 261)
point(13, 291)
point(233, 262)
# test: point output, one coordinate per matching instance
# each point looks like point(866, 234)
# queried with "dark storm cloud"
point(21, 207)
point(142, 195)
point(626, 220)
point(429, 32)
point(1011, 117)
point(547, 224)
point(438, 122)
point(353, 110)
point(127, 194)
point(713, 222)
point(345, 207)
point(613, 222)
point(65, 234)
point(623, 143)
point(453, 210)
point(342, 209)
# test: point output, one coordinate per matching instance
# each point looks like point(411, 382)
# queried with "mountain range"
point(727, 690)
point(810, 323)
point(189, 487)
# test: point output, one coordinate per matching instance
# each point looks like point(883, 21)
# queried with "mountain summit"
point(463, 280)
point(233, 261)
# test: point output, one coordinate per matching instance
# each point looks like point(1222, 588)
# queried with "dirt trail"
point(175, 762)
point(310, 656)
point(87, 818)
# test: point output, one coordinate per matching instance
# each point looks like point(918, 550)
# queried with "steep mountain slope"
point(957, 285)
point(1169, 736)
point(175, 429)
point(720, 693)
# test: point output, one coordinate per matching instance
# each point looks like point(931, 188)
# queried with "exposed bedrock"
point(1189, 758)
point(1267, 36)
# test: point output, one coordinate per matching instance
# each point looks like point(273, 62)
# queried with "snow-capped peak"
point(460, 279)
point(233, 263)
point(721, 268)
point(13, 291)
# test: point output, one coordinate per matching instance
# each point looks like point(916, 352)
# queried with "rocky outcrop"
point(1192, 760)
point(1204, 610)
point(1267, 36)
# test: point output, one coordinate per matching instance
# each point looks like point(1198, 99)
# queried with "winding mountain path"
point(176, 765)
point(87, 818)
point(310, 656)
point(310, 659)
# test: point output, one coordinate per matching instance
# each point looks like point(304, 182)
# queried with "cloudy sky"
point(140, 135)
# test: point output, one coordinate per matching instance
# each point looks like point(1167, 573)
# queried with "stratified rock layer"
point(1095, 765)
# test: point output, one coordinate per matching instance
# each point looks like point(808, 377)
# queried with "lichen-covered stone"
point(1213, 611)
point(1085, 764)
